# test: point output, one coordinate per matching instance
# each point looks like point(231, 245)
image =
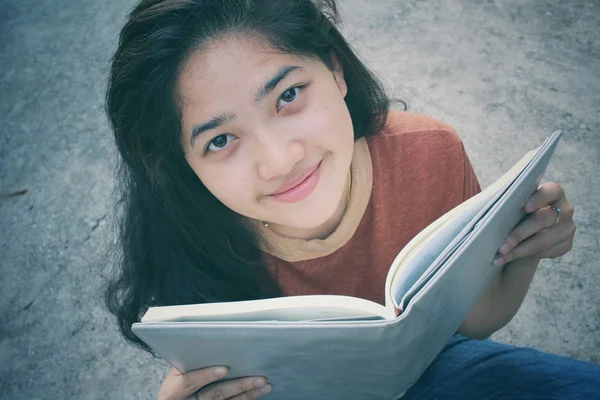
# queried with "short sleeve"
point(471, 185)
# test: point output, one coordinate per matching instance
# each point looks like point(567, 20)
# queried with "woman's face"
point(268, 133)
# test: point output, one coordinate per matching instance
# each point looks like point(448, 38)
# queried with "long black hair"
point(177, 243)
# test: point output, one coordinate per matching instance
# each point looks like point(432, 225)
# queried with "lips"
point(299, 187)
point(291, 184)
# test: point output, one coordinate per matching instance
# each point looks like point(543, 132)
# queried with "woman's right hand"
point(202, 384)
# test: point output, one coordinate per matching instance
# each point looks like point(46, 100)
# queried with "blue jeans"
point(486, 370)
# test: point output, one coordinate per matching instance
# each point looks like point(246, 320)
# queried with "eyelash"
point(300, 88)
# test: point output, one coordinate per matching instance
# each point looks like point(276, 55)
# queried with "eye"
point(219, 142)
point(289, 96)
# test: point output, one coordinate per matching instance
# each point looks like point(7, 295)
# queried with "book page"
point(292, 308)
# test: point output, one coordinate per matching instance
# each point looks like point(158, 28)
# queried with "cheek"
point(335, 124)
point(227, 185)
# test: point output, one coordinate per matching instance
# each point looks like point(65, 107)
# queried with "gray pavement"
point(504, 74)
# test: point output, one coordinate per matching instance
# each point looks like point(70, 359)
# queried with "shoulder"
point(419, 160)
point(419, 136)
point(406, 126)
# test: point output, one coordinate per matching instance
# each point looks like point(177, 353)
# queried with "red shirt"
point(404, 178)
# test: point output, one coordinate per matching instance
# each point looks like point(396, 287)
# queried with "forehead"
point(233, 66)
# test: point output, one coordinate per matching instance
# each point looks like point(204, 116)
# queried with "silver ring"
point(556, 214)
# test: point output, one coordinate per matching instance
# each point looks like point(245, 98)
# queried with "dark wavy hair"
point(177, 243)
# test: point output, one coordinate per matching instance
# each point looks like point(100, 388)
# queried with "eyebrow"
point(272, 83)
point(214, 123)
point(263, 92)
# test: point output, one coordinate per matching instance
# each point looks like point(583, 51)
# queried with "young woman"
point(259, 158)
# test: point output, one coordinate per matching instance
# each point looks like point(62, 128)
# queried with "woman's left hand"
point(544, 233)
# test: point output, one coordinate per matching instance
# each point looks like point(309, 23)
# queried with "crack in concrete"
point(99, 221)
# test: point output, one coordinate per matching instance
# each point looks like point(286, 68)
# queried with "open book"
point(329, 346)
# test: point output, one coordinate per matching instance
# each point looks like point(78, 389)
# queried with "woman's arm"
point(502, 300)
point(547, 232)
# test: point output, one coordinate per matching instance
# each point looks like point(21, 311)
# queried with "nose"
point(277, 155)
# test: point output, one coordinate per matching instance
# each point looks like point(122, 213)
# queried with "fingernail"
point(504, 249)
point(498, 261)
point(266, 389)
point(220, 372)
point(259, 382)
point(529, 207)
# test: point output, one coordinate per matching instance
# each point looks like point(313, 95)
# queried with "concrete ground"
point(505, 74)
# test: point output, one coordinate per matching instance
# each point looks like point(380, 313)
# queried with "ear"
point(338, 75)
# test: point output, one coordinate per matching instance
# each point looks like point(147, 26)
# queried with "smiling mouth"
point(300, 187)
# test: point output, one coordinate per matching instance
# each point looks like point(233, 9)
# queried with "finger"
point(534, 223)
point(537, 244)
point(548, 193)
point(234, 387)
point(254, 393)
point(556, 251)
point(178, 386)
